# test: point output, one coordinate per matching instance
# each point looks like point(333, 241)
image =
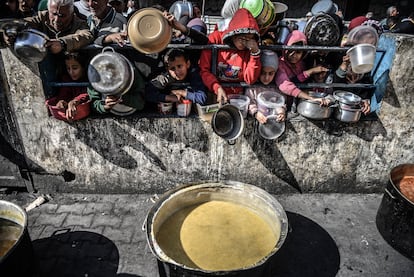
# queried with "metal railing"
point(216, 47)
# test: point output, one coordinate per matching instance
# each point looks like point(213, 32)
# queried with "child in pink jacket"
point(292, 70)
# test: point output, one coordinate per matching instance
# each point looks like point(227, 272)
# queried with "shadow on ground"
point(308, 251)
point(78, 253)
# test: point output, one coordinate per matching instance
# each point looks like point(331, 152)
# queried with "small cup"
point(184, 108)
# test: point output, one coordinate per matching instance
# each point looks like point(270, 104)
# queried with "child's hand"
point(221, 96)
point(110, 101)
point(180, 93)
point(62, 104)
point(317, 69)
point(366, 107)
point(71, 110)
point(261, 118)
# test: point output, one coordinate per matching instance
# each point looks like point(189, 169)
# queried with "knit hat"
point(270, 59)
point(357, 21)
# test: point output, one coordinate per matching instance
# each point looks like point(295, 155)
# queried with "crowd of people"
point(175, 74)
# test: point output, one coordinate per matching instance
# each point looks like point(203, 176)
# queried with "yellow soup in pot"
point(217, 235)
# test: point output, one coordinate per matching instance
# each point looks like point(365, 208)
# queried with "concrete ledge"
point(145, 155)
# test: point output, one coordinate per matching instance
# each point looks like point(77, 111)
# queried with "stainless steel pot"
point(184, 196)
point(395, 216)
point(181, 8)
point(312, 109)
point(30, 45)
point(228, 123)
point(111, 73)
point(346, 113)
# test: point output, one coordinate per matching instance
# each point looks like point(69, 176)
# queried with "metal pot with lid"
point(110, 72)
point(347, 97)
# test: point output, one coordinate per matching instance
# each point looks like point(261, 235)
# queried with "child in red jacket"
point(239, 64)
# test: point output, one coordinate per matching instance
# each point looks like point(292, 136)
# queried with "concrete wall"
point(149, 154)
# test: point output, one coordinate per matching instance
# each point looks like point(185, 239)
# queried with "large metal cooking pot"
point(395, 216)
point(251, 197)
point(30, 45)
point(228, 123)
point(16, 257)
point(313, 110)
point(111, 73)
point(347, 113)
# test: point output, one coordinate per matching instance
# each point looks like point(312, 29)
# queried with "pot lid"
point(149, 31)
point(110, 73)
point(347, 97)
point(272, 129)
point(322, 30)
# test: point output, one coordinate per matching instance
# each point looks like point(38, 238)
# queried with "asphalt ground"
point(101, 235)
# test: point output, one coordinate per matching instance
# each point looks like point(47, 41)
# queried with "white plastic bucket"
point(240, 101)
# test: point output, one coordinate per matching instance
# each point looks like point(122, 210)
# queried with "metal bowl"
point(30, 45)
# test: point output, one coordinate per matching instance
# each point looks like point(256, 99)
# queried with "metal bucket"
point(16, 257)
point(250, 197)
point(395, 216)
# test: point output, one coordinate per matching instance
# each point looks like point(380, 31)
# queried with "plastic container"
point(184, 108)
point(240, 101)
point(270, 102)
point(206, 112)
point(165, 107)
point(362, 57)
point(82, 111)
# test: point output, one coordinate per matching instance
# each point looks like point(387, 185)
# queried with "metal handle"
point(109, 48)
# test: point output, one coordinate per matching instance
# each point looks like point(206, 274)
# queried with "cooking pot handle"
point(231, 141)
point(108, 48)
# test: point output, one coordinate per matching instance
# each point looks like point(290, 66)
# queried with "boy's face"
point(267, 75)
point(178, 68)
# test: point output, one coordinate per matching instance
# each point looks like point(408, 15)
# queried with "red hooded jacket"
point(232, 65)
